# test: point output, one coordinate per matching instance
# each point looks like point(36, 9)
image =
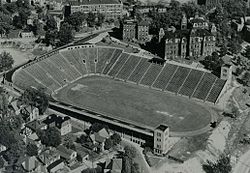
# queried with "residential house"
point(48, 156)
point(67, 154)
point(30, 113)
point(100, 138)
point(31, 164)
point(81, 151)
point(63, 124)
point(56, 166)
point(32, 127)
point(27, 34)
point(35, 140)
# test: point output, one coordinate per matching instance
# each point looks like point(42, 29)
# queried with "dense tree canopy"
point(35, 97)
point(65, 34)
point(76, 19)
point(6, 61)
point(5, 23)
point(222, 165)
point(50, 137)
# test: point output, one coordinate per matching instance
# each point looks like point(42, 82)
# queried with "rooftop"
point(93, 2)
point(162, 127)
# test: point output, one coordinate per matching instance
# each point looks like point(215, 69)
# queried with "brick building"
point(132, 29)
point(195, 38)
point(112, 9)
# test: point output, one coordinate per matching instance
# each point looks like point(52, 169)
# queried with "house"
point(100, 137)
point(56, 166)
point(32, 127)
point(48, 156)
point(116, 165)
point(30, 113)
point(81, 151)
point(27, 34)
point(34, 139)
point(31, 164)
point(63, 124)
point(67, 154)
point(2, 148)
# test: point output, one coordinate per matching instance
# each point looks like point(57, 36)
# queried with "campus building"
point(195, 38)
point(133, 29)
point(112, 9)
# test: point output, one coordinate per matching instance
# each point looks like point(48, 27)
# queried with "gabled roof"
point(58, 120)
point(35, 125)
point(200, 33)
point(54, 164)
point(116, 165)
point(65, 152)
point(48, 155)
point(30, 163)
point(100, 136)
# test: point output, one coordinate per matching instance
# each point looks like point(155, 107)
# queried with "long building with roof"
point(112, 9)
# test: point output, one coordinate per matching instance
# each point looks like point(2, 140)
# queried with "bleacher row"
point(64, 67)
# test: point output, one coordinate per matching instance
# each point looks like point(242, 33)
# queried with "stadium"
point(132, 94)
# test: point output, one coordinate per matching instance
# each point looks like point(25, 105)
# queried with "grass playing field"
point(135, 104)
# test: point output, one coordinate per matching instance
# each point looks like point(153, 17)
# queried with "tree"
point(50, 137)
point(32, 150)
point(50, 24)
point(116, 138)
point(1, 162)
point(246, 78)
point(35, 97)
point(50, 37)
point(234, 46)
point(223, 50)
point(6, 61)
point(65, 34)
point(130, 151)
point(91, 19)
point(135, 168)
point(5, 23)
point(100, 19)
point(190, 8)
point(222, 165)
point(127, 164)
point(108, 144)
point(247, 52)
point(76, 19)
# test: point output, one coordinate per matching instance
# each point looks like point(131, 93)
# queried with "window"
point(83, 61)
point(158, 134)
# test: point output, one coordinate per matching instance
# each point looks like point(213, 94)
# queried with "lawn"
point(135, 104)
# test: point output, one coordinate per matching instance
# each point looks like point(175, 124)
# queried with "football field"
point(135, 104)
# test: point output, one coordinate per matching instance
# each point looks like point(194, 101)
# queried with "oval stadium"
point(132, 94)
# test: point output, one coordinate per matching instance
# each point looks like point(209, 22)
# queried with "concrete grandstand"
point(77, 78)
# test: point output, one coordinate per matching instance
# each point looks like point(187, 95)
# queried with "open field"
point(135, 104)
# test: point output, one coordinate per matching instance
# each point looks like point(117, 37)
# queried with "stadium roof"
point(93, 2)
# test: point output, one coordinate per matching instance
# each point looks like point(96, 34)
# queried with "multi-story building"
point(196, 38)
point(161, 140)
point(129, 30)
point(132, 30)
point(112, 9)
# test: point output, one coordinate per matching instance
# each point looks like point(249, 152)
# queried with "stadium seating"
point(84, 59)
point(54, 72)
point(165, 76)
point(73, 59)
point(120, 62)
point(140, 70)
point(63, 64)
point(215, 91)
point(111, 62)
point(24, 80)
point(61, 68)
point(190, 84)
point(151, 74)
point(204, 86)
point(128, 67)
point(177, 80)
point(91, 55)
point(104, 55)
point(37, 72)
